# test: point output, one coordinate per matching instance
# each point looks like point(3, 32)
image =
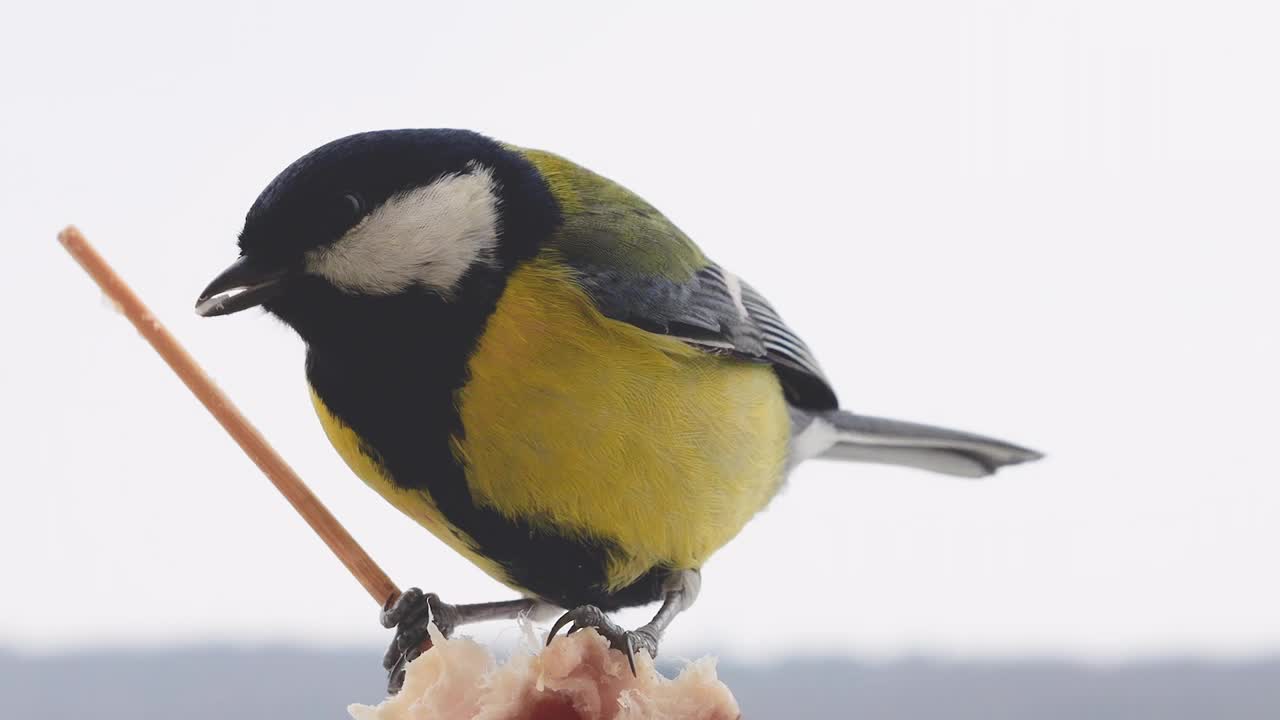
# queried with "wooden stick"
point(246, 435)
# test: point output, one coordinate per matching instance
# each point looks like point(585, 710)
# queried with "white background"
point(1051, 222)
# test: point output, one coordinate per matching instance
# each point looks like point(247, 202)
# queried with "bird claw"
point(411, 613)
point(625, 641)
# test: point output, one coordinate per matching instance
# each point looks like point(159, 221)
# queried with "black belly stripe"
point(399, 398)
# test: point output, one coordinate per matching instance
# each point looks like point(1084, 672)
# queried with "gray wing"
point(717, 312)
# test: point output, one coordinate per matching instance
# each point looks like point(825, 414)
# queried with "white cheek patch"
point(429, 236)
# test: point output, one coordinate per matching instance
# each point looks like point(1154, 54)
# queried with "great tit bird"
point(542, 370)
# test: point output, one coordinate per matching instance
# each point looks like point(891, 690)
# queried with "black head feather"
point(330, 189)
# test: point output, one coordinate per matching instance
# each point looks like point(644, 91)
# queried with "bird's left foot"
point(410, 614)
point(626, 641)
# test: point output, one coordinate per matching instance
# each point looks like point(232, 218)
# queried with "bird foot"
point(410, 614)
point(626, 641)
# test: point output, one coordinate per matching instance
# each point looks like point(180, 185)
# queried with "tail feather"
point(862, 438)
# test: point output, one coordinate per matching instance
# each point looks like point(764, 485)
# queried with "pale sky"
point(1051, 222)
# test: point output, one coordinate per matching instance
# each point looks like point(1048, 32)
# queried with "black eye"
point(353, 204)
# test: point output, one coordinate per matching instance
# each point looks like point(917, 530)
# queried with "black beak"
point(240, 287)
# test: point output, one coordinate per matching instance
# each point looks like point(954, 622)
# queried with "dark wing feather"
point(703, 312)
point(801, 376)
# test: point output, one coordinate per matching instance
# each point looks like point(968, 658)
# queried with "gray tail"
point(861, 438)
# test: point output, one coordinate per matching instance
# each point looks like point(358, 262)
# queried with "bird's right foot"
point(410, 614)
point(628, 642)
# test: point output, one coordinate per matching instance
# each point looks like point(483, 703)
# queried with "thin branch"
point(374, 580)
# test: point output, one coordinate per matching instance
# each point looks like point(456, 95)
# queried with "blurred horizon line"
point(668, 660)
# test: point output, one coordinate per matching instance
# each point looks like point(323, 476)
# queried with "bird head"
point(366, 221)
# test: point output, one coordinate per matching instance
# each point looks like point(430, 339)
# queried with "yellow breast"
point(585, 424)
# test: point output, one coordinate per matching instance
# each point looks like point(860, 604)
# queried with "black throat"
point(390, 368)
